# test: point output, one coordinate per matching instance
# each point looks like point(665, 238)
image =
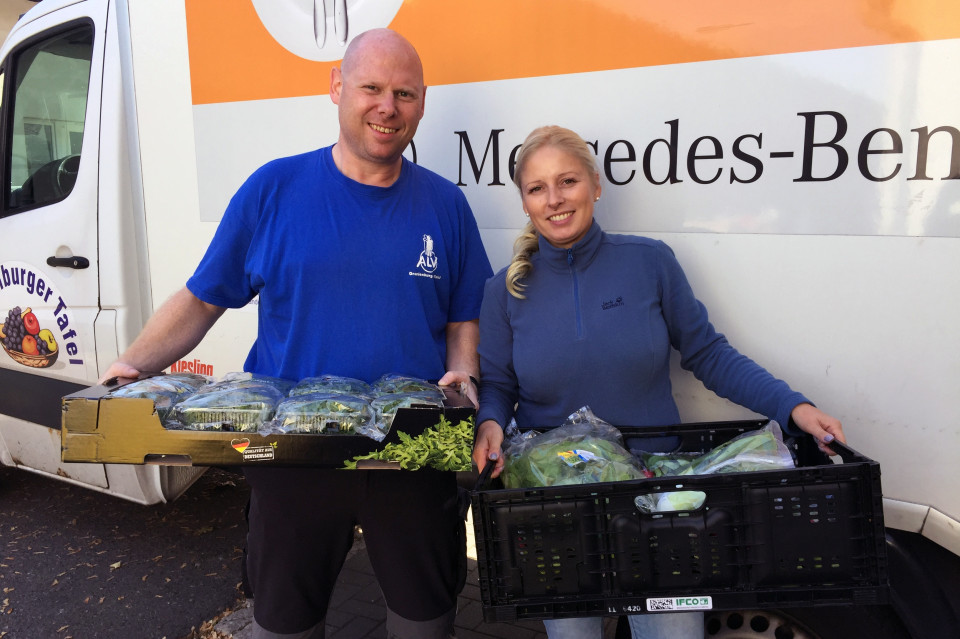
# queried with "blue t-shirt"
point(596, 329)
point(353, 279)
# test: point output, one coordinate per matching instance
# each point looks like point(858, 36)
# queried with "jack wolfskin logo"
point(612, 304)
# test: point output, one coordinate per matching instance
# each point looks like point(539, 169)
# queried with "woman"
point(582, 318)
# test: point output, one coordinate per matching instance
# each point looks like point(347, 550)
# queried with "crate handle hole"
point(670, 502)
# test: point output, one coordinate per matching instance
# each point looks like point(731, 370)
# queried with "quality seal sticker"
point(254, 453)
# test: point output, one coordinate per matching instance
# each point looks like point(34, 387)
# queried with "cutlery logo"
point(320, 29)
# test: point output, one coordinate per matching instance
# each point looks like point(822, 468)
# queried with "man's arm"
point(462, 360)
point(172, 332)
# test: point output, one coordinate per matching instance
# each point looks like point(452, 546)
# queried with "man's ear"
point(336, 84)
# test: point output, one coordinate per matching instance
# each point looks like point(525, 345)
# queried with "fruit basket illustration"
point(24, 340)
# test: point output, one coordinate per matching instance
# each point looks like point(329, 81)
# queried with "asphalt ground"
point(79, 564)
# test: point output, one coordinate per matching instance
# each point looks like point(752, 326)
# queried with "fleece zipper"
point(576, 294)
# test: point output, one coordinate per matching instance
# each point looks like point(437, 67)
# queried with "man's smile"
point(382, 129)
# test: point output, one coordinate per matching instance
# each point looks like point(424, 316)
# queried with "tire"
point(833, 622)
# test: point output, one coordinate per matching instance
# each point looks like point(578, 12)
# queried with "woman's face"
point(558, 193)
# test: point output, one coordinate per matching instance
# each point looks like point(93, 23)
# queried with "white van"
point(803, 160)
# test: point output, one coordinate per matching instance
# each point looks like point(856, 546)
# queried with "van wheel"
point(834, 622)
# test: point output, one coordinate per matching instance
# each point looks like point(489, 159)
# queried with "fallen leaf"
point(115, 566)
point(55, 582)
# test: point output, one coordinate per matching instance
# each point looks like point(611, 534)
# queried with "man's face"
point(380, 95)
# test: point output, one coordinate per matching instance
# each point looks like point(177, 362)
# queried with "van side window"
point(48, 101)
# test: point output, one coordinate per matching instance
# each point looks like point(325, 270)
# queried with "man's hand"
point(170, 333)
point(462, 360)
point(487, 448)
point(461, 381)
point(823, 427)
point(120, 370)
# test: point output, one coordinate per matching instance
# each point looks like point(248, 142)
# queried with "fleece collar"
point(577, 256)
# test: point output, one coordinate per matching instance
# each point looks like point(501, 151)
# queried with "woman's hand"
point(823, 427)
point(487, 447)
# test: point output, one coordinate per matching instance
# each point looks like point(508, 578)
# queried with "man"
point(365, 264)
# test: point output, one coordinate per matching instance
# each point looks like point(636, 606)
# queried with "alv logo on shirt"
point(428, 259)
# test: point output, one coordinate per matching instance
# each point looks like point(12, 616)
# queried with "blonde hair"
point(528, 242)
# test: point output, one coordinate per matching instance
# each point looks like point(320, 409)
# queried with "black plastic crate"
point(811, 535)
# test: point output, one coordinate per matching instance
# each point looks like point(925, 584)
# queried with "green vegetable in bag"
point(583, 450)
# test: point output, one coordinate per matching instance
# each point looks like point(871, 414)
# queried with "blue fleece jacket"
point(596, 329)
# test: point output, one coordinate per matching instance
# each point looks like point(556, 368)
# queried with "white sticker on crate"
point(663, 604)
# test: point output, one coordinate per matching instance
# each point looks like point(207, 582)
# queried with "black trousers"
point(301, 528)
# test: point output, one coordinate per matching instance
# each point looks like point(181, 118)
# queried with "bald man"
point(364, 264)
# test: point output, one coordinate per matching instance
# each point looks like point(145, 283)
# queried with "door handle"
point(70, 262)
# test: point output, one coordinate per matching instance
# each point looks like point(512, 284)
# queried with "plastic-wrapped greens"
point(164, 390)
point(324, 413)
point(239, 380)
point(660, 464)
point(583, 450)
point(235, 405)
point(755, 450)
point(331, 384)
point(385, 406)
point(394, 383)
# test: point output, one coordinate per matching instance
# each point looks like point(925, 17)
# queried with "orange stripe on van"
point(234, 58)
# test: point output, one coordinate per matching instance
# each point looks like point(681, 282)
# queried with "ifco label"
point(679, 603)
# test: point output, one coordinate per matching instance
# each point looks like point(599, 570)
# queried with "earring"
point(596, 199)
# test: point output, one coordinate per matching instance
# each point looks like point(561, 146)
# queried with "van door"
point(51, 78)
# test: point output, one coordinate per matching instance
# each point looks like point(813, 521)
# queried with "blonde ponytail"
point(524, 247)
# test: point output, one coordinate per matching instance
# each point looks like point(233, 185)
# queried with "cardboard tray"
point(805, 536)
point(99, 428)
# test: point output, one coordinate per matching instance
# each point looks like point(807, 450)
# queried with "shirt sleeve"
point(221, 277)
point(474, 268)
point(498, 380)
point(710, 357)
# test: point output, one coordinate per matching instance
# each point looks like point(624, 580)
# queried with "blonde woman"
point(581, 317)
